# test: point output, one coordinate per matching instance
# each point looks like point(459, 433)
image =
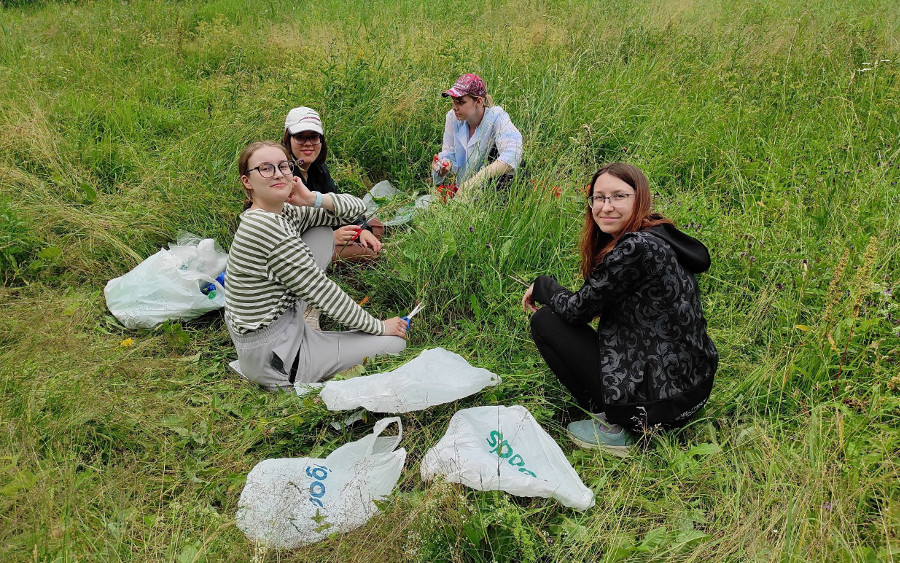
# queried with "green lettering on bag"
point(504, 450)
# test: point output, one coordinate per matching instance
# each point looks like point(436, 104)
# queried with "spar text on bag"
point(505, 451)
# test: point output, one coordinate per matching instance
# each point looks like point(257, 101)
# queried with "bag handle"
point(380, 427)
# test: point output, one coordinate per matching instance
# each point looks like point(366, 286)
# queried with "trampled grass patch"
point(768, 130)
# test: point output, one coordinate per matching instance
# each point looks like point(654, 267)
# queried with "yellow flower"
point(126, 343)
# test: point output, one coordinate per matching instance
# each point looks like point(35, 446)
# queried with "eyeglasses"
point(617, 200)
point(267, 170)
point(301, 139)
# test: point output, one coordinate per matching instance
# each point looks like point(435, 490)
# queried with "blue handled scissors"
point(411, 314)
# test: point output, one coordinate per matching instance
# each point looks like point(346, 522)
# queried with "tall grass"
point(769, 130)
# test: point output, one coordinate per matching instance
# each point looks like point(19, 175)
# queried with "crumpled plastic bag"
point(434, 377)
point(383, 192)
point(504, 448)
point(167, 285)
point(291, 502)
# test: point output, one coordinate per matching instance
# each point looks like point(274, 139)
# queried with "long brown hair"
point(244, 162)
point(595, 244)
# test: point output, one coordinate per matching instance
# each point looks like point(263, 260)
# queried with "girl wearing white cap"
point(276, 269)
point(304, 138)
point(480, 142)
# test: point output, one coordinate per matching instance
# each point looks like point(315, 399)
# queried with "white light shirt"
point(468, 156)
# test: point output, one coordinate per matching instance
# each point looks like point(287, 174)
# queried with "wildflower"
point(127, 343)
point(471, 229)
point(779, 286)
point(827, 507)
point(446, 191)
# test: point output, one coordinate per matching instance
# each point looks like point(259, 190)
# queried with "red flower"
point(447, 191)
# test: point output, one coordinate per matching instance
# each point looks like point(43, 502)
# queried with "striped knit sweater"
point(270, 267)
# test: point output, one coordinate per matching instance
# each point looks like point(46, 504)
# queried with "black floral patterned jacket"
point(657, 362)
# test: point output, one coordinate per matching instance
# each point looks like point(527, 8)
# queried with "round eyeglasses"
point(314, 139)
point(616, 200)
point(267, 170)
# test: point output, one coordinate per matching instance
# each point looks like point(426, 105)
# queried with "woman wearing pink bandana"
point(480, 142)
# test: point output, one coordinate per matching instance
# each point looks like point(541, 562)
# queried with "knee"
point(395, 345)
point(541, 322)
point(320, 241)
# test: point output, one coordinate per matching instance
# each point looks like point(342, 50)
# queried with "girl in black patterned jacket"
point(650, 362)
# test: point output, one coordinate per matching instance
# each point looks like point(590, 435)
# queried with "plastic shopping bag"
point(382, 193)
point(504, 448)
point(167, 285)
point(291, 502)
point(434, 377)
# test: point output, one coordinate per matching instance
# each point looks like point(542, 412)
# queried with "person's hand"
point(528, 304)
point(345, 234)
point(367, 239)
point(395, 326)
point(300, 195)
point(440, 166)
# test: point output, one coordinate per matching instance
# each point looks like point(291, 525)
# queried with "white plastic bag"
point(291, 502)
point(166, 286)
point(434, 377)
point(504, 448)
point(380, 193)
point(383, 192)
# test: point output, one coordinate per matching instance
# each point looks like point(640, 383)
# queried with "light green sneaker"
point(596, 433)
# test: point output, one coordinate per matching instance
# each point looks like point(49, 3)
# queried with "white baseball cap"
point(303, 119)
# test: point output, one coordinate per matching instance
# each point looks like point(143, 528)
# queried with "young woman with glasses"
point(276, 269)
point(650, 363)
point(304, 138)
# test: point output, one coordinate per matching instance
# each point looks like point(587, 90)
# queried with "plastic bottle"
point(210, 289)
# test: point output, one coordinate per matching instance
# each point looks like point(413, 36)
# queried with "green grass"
point(768, 129)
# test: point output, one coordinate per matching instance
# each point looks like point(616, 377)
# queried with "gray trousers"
point(267, 356)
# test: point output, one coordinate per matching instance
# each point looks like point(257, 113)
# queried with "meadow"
point(769, 129)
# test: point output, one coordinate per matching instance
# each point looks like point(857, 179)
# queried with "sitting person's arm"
point(292, 264)
point(492, 170)
point(333, 209)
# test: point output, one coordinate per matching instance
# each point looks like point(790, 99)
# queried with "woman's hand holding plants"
point(348, 233)
point(440, 166)
point(345, 235)
point(367, 239)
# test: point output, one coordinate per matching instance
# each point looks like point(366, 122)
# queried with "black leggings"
point(573, 354)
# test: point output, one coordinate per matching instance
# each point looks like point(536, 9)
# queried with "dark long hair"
point(595, 244)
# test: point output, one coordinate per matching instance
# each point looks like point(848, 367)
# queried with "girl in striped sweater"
point(276, 269)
